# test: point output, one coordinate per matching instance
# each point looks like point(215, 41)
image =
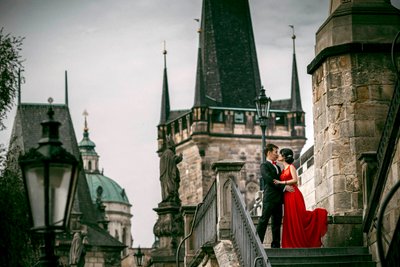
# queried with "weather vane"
point(85, 114)
point(293, 36)
point(165, 47)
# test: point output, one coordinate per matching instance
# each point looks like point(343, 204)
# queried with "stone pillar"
point(353, 82)
point(169, 230)
point(225, 170)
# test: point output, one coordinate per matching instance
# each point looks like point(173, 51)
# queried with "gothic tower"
point(352, 82)
point(222, 122)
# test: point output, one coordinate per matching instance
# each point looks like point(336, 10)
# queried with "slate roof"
point(227, 59)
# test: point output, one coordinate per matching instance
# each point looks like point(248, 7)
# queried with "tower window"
point(239, 117)
point(218, 116)
point(299, 118)
point(184, 124)
point(90, 165)
point(280, 119)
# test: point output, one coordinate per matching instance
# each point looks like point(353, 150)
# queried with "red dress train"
point(301, 228)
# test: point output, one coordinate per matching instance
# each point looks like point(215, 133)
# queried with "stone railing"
point(250, 250)
point(205, 226)
point(223, 230)
point(392, 254)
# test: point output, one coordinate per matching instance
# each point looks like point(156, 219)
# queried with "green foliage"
point(17, 246)
point(10, 66)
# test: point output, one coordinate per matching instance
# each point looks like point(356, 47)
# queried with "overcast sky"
point(113, 53)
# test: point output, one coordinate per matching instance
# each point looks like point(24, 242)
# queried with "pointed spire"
point(228, 55)
point(86, 132)
point(85, 114)
point(165, 107)
point(66, 88)
point(199, 93)
point(295, 93)
point(19, 86)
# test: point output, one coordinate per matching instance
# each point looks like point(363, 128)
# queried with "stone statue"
point(169, 173)
point(77, 250)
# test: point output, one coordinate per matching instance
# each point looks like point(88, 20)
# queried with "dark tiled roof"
point(26, 134)
point(284, 104)
point(177, 113)
point(228, 54)
point(100, 238)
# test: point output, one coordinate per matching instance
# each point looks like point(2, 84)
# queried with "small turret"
point(86, 147)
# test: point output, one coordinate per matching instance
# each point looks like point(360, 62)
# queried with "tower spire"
point(66, 88)
point(199, 93)
point(165, 106)
point(295, 92)
point(19, 86)
point(85, 114)
point(228, 55)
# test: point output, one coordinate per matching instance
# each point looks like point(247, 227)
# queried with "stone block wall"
point(306, 172)
point(206, 135)
point(202, 151)
point(351, 95)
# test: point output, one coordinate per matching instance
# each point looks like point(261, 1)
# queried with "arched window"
point(124, 236)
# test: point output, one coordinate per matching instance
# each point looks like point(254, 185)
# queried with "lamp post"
point(50, 175)
point(139, 257)
point(263, 104)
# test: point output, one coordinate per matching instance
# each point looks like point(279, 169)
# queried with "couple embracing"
point(301, 228)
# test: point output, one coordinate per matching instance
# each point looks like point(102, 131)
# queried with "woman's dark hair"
point(287, 154)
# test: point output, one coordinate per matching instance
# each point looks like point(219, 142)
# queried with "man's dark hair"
point(270, 147)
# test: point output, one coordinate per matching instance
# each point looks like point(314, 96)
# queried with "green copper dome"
point(107, 189)
point(86, 142)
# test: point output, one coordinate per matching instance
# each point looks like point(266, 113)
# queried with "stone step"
point(316, 251)
point(340, 256)
point(331, 264)
point(318, 259)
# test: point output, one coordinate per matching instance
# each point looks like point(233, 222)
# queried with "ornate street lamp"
point(139, 257)
point(50, 175)
point(263, 104)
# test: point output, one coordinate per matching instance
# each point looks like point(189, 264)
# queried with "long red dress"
point(301, 228)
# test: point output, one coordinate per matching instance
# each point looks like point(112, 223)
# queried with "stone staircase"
point(312, 257)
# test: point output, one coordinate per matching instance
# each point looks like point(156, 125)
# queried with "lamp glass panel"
point(34, 178)
point(258, 108)
point(139, 259)
point(60, 179)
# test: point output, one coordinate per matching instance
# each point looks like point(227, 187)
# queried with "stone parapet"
point(356, 21)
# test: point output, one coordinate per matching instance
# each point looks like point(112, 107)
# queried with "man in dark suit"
point(272, 197)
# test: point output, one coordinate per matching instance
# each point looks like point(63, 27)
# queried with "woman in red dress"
point(301, 228)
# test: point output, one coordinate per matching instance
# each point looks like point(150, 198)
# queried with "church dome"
point(105, 188)
point(86, 142)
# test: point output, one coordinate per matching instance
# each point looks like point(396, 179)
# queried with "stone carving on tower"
point(169, 173)
point(169, 226)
